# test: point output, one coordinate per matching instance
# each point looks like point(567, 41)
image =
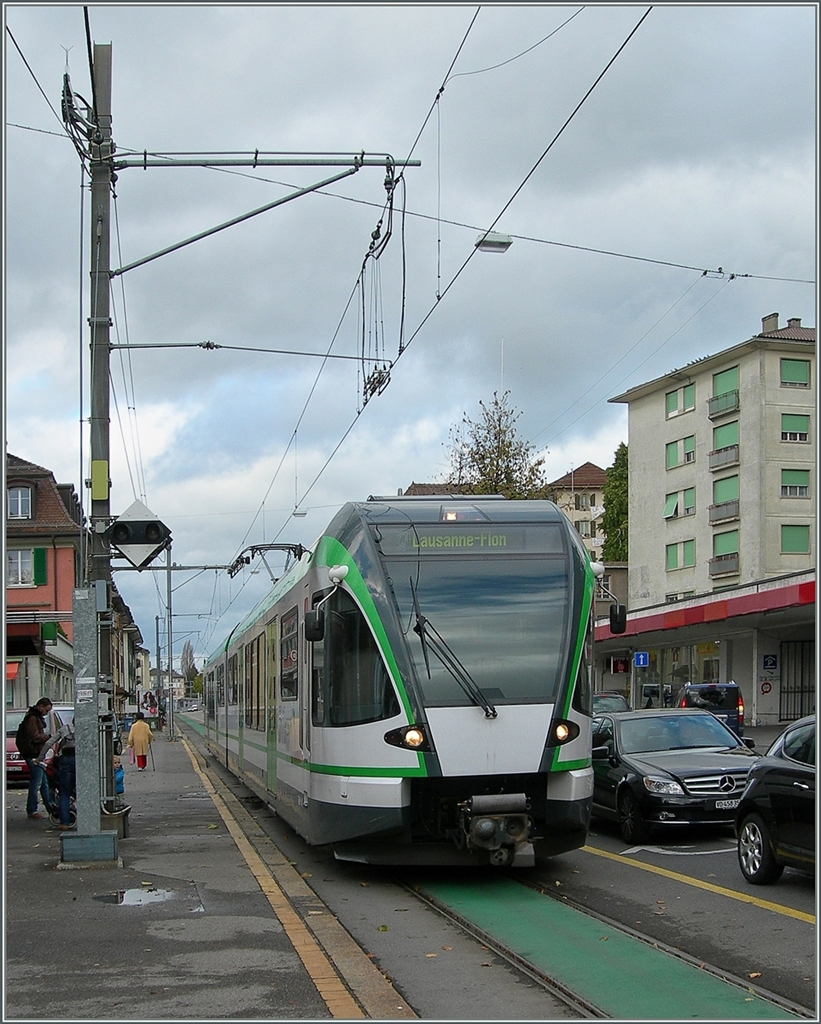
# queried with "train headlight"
point(562, 732)
point(410, 737)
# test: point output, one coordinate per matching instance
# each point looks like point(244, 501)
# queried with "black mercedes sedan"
point(775, 821)
point(666, 769)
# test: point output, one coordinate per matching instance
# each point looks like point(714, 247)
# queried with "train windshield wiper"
point(429, 636)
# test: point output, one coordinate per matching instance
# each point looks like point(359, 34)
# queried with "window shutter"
point(39, 567)
point(725, 381)
point(795, 478)
point(795, 371)
point(671, 505)
point(795, 424)
point(795, 540)
point(726, 543)
point(725, 490)
point(725, 436)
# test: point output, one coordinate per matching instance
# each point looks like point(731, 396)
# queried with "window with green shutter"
point(39, 565)
point(725, 436)
point(725, 381)
point(795, 540)
point(725, 490)
point(681, 555)
point(795, 373)
point(671, 505)
point(679, 452)
point(795, 483)
point(688, 499)
point(725, 543)
point(681, 400)
point(794, 427)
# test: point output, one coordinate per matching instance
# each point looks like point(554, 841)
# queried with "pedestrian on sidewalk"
point(31, 735)
point(63, 742)
point(140, 739)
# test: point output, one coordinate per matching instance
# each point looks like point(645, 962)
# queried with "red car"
point(17, 771)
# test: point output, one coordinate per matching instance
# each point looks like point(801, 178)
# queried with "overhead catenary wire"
point(501, 213)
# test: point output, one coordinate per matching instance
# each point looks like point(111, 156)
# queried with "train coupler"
point(501, 825)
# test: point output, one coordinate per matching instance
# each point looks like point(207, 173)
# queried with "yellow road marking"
point(337, 998)
point(777, 908)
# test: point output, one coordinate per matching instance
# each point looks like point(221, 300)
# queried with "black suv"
point(775, 821)
point(724, 700)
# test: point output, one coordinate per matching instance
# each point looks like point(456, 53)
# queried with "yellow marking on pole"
point(742, 897)
point(337, 998)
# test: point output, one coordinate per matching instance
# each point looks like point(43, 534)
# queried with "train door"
point(271, 703)
point(289, 703)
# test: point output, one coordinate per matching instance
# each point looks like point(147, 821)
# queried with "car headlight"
point(662, 787)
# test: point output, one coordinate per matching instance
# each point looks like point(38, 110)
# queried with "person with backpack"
point(31, 735)
point(63, 742)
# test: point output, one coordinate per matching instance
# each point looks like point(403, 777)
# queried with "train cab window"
point(288, 658)
point(351, 685)
point(583, 694)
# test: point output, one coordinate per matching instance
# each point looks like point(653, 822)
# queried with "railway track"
point(596, 968)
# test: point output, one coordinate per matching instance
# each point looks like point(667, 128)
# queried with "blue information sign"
point(641, 659)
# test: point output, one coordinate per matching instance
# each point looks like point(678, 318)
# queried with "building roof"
point(793, 335)
point(423, 490)
point(51, 511)
point(582, 478)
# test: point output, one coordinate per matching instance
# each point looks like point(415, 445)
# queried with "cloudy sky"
point(696, 151)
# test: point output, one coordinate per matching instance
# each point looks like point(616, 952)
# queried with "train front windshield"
point(494, 599)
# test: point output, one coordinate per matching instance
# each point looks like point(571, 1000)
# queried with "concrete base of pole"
point(96, 850)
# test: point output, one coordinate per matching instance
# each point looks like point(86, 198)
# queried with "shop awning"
point(11, 669)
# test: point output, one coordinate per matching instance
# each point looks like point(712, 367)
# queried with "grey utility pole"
point(92, 663)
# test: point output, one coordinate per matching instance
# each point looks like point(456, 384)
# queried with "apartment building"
point(722, 507)
point(580, 495)
point(46, 544)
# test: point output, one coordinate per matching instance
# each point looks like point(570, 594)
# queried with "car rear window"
point(713, 698)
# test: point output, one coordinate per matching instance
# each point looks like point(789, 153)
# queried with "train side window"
point(289, 658)
point(319, 682)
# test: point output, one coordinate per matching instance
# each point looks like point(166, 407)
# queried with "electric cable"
point(510, 60)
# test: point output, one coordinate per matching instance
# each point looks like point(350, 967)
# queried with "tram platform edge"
point(183, 929)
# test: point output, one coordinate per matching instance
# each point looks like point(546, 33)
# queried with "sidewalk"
point(182, 930)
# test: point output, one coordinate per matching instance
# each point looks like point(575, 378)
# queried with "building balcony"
point(724, 510)
point(724, 565)
point(723, 457)
point(721, 404)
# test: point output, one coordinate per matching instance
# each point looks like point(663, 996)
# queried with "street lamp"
point(493, 241)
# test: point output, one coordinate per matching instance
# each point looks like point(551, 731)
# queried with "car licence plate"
point(726, 805)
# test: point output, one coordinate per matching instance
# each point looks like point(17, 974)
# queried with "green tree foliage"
point(614, 520)
point(188, 667)
point(488, 457)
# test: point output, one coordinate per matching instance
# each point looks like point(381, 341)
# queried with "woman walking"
point(140, 739)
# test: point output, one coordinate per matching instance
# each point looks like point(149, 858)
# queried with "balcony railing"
point(723, 510)
point(722, 457)
point(721, 565)
point(721, 404)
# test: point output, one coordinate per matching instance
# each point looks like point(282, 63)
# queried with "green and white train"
point(416, 689)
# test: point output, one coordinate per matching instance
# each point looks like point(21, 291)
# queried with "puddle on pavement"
point(136, 897)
